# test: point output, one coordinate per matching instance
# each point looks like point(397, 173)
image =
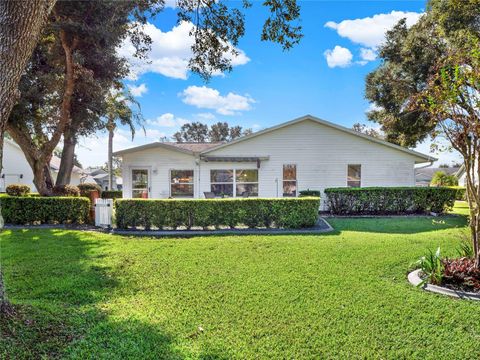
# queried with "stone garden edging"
point(415, 279)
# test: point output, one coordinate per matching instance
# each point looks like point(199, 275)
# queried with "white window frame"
point(346, 177)
point(189, 183)
point(296, 179)
point(149, 179)
point(234, 180)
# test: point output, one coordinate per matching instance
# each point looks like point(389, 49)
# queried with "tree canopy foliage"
point(428, 84)
point(199, 132)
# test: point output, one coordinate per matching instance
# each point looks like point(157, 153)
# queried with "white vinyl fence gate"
point(103, 212)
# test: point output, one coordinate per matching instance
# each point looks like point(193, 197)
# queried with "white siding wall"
point(159, 161)
point(321, 154)
point(14, 165)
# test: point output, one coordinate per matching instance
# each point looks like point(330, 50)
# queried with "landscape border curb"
point(415, 279)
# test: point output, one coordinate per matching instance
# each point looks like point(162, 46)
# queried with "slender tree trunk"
point(111, 128)
point(67, 161)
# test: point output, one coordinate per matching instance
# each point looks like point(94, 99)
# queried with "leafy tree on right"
point(428, 84)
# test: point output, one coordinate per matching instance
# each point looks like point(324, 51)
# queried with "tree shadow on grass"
point(57, 281)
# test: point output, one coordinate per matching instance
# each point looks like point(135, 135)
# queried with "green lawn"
point(343, 294)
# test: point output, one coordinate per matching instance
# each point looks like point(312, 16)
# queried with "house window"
point(354, 175)
point(232, 183)
point(289, 180)
point(181, 183)
point(222, 182)
point(246, 182)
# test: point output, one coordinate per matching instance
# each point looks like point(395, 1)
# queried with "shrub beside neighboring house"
point(251, 212)
point(389, 200)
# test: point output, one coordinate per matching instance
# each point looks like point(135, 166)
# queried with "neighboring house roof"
point(55, 165)
point(187, 148)
point(426, 174)
point(205, 148)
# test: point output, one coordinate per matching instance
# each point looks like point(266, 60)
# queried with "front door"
point(140, 183)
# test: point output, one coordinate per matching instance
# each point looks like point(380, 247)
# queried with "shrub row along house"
point(305, 153)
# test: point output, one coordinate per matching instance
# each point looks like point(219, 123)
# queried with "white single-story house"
point(16, 169)
point(461, 174)
point(305, 153)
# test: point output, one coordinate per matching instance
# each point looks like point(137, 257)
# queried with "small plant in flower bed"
point(17, 190)
point(461, 273)
point(458, 274)
point(66, 190)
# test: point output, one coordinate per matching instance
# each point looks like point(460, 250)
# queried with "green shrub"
point(44, 210)
point(112, 194)
point(308, 192)
point(461, 193)
point(252, 212)
point(86, 188)
point(440, 178)
point(17, 190)
point(389, 200)
point(66, 190)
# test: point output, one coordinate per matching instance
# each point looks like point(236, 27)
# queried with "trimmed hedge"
point(26, 210)
point(308, 192)
point(461, 192)
point(253, 212)
point(17, 190)
point(112, 194)
point(389, 200)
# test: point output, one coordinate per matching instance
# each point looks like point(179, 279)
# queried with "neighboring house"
point(16, 169)
point(462, 176)
point(305, 153)
point(100, 176)
point(423, 176)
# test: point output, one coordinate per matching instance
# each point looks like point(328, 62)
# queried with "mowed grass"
point(340, 295)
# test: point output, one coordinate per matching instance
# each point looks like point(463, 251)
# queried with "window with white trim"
point(234, 182)
point(181, 183)
point(289, 180)
point(354, 175)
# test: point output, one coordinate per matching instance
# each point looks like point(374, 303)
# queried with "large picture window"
point(181, 183)
point(354, 176)
point(232, 183)
point(289, 180)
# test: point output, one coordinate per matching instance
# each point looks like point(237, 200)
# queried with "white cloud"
point(170, 52)
point(338, 56)
point(206, 116)
point(207, 98)
point(368, 54)
point(370, 31)
point(139, 90)
point(167, 120)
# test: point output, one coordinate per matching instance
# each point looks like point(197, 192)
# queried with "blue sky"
point(324, 75)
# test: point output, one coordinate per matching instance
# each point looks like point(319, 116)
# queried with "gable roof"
point(329, 124)
point(187, 148)
point(205, 148)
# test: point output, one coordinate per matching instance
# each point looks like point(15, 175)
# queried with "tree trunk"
point(110, 158)
point(20, 25)
point(67, 160)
